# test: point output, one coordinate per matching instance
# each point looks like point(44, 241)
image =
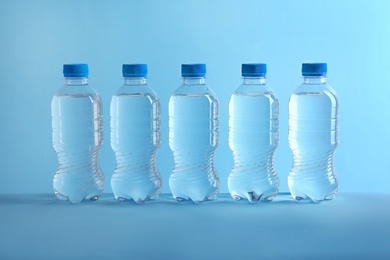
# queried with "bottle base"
point(76, 186)
point(194, 186)
point(139, 200)
point(75, 200)
point(313, 186)
point(197, 199)
point(253, 197)
point(314, 199)
point(138, 187)
point(253, 186)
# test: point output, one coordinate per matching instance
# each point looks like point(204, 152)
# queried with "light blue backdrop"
point(38, 37)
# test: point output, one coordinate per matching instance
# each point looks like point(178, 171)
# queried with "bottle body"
point(135, 138)
point(193, 138)
point(313, 137)
point(77, 138)
point(253, 139)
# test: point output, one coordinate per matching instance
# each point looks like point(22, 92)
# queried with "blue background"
point(38, 37)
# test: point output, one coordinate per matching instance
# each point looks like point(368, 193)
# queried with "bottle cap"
point(75, 70)
point(193, 70)
point(314, 69)
point(254, 70)
point(134, 70)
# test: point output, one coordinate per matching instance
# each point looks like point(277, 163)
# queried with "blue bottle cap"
point(134, 70)
point(75, 70)
point(193, 70)
point(254, 70)
point(314, 69)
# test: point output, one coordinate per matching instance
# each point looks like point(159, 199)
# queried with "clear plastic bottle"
point(77, 137)
point(313, 136)
point(193, 137)
point(135, 137)
point(253, 137)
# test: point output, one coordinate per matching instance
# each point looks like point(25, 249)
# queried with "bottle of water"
point(193, 137)
point(77, 137)
point(135, 137)
point(253, 137)
point(313, 136)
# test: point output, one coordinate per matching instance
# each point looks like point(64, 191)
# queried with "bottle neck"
point(254, 80)
point(76, 81)
point(135, 81)
point(314, 79)
point(194, 80)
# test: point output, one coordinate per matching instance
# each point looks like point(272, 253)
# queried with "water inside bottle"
point(193, 138)
point(135, 137)
point(77, 138)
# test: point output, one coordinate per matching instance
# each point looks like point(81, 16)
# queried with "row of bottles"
point(193, 137)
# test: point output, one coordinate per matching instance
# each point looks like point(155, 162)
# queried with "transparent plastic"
point(253, 139)
point(135, 139)
point(77, 138)
point(313, 138)
point(193, 138)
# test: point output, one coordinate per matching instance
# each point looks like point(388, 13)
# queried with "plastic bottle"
point(135, 137)
point(77, 137)
point(313, 136)
point(253, 137)
point(193, 137)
